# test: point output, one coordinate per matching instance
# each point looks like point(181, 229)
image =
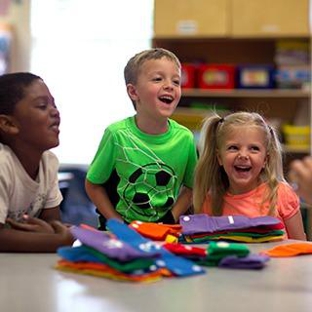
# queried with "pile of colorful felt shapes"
point(124, 254)
point(201, 228)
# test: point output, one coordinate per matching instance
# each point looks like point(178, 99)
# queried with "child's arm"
point(301, 175)
point(294, 227)
point(31, 225)
point(41, 224)
point(98, 196)
point(13, 240)
point(51, 214)
point(183, 203)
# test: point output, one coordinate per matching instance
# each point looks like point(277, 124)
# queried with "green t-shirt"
point(147, 170)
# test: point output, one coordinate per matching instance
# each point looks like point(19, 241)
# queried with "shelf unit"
point(241, 93)
point(292, 106)
point(237, 32)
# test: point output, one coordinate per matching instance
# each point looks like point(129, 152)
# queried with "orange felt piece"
point(289, 250)
point(156, 231)
point(102, 270)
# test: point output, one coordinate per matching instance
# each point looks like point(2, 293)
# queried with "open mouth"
point(166, 99)
point(242, 168)
point(55, 126)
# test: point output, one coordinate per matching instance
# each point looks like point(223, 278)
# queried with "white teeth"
point(166, 97)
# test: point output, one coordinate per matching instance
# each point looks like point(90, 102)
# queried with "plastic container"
point(216, 76)
point(255, 77)
point(296, 136)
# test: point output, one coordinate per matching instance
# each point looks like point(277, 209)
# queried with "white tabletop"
point(29, 283)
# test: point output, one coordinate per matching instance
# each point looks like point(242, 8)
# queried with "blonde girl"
point(240, 172)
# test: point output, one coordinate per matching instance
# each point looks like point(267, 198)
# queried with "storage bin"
point(296, 136)
point(293, 77)
point(255, 77)
point(215, 76)
point(188, 76)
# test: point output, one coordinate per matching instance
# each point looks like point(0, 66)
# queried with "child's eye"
point(42, 105)
point(157, 79)
point(232, 148)
point(255, 148)
point(177, 82)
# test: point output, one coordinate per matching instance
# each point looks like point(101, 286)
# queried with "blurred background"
point(236, 54)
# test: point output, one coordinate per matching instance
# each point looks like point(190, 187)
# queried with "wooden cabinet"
point(246, 32)
point(191, 18)
point(234, 18)
point(269, 18)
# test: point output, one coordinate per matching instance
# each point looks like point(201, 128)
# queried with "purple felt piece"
point(177, 265)
point(108, 245)
point(202, 223)
point(252, 261)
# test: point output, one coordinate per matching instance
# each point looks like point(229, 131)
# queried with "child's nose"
point(54, 111)
point(243, 155)
point(168, 85)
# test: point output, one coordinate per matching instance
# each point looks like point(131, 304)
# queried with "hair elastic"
point(271, 130)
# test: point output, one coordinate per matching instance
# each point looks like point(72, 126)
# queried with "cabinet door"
point(255, 18)
point(195, 18)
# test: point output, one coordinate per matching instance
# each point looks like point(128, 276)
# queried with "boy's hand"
point(31, 225)
point(63, 230)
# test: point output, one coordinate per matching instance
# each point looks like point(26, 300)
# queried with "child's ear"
point(131, 90)
point(7, 124)
point(266, 159)
point(219, 158)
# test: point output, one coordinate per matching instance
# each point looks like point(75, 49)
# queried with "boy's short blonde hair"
point(132, 69)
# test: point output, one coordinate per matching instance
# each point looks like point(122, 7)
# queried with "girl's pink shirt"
point(250, 204)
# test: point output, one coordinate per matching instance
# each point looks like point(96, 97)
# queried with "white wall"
point(80, 49)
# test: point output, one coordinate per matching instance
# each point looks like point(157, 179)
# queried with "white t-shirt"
point(20, 194)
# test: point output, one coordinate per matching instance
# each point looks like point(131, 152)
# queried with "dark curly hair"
point(12, 87)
